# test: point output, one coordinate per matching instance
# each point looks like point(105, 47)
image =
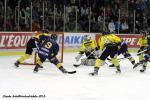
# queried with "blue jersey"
point(48, 49)
point(148, 39)
point(146, 56)
point(123, 48)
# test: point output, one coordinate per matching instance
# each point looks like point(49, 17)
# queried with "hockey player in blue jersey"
point(48, 50)
point(123, 49)
point(38, 38)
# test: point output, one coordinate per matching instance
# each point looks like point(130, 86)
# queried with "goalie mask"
point(87, 37)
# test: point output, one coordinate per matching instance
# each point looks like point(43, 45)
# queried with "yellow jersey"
point(143, 41)
point(108, 39)
point(88, 46)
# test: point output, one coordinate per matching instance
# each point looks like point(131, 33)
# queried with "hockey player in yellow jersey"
point(90, 49)
point(31, 44)
point(144, 42)
point(109, 44)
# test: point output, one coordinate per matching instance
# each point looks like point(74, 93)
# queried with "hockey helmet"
point(105, 33)
point(148, 30)
point(142, 32)
point(87, 37)
point(45, 31)
point(54, 37)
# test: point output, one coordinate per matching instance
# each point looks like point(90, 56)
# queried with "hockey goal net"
point(32, 60)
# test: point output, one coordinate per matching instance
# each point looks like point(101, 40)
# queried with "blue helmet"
point(45, 31)
point(105, 33)
point(142, 32)
point(54, 37)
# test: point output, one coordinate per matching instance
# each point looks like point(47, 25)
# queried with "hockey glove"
point(142, 48)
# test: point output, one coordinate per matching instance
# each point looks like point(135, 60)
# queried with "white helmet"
point(87, 37)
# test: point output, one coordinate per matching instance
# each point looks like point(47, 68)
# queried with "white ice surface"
point(129, 85)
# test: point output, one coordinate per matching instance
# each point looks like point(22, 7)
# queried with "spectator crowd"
point(123, 16)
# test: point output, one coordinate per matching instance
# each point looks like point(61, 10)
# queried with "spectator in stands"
point(124, 26)
point(1, 22)
point(118, 26)
point(84, 11)
point(111, 26)
point(148, 22)
point(97, 7)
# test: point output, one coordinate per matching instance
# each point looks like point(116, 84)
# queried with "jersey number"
point(48, 45)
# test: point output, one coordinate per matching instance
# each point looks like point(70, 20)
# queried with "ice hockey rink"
point(50, 84)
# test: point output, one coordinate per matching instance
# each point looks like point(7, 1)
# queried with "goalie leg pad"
point(91, 62)
point(83, 61)
point(88, 62)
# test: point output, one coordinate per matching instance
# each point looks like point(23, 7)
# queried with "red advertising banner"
point(132, 40)
point(14, 40)
point(18, 40)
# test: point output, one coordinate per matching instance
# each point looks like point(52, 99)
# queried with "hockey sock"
point(39, 62)
point(115, 61)
point(132, 60)
point(59, 65)
point(117, 65)
point(144, 65)
point(98, 63)
point(141, 57)
point(23, 58)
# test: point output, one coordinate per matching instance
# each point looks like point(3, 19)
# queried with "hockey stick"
point(131, 56)
point(137, 64)
point(117, 59)
point(71, 72)
point(127, 57)
point(36, 45)
point(141, 52)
